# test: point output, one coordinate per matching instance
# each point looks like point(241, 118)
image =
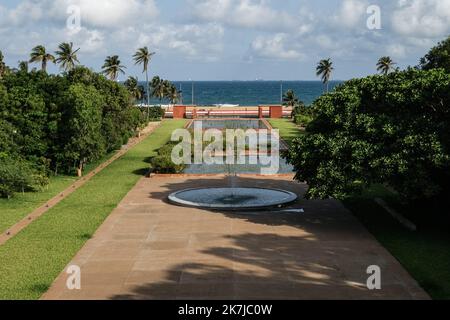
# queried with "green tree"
point(324, 70)
point(18, 175)
point(112, 67)
point(290, 99)
point(117, 119)
point(40, 55)
point(158, 88)
point(2, 65)
point(143, 57)
point(26, 110)
point(437, 57)
point(172, 94)
point(66, 56)
point(135, 90)
point(392, 130)
point(23, 66)
point(82, 126)
point(385, 65)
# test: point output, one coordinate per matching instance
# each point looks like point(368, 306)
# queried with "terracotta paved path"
point(148, 249)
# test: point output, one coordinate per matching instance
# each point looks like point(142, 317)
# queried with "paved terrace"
point(149, 249)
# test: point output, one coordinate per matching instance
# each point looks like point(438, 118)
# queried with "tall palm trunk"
point(44, 65)
point(148, 95)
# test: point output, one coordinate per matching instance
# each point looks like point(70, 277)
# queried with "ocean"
point(247, 93)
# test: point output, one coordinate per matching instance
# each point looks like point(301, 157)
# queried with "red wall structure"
point(276, 112)
point(179, 112)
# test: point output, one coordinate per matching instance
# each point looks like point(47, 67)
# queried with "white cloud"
point(191, 40)
point(202, 29)
point(243, 13)
point(276, 47)
point(351, 14)
point(396, 50)
point(94, 13)
point(109, 13)
point(419, 18)
point(107, 26)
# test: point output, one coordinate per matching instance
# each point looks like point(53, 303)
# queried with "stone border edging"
point(397, 216)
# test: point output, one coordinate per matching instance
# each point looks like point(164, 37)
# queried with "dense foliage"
point(162, 163)
point(392, 129)
point(59, 123)
point(438, 57)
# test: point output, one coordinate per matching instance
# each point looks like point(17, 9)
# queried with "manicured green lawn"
point(425, 253)
point(13, 210)
point(288, 129)
point(33, 259)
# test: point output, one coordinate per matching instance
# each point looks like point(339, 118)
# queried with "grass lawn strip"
point(35, 257)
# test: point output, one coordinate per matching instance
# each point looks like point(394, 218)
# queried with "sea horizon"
point(247, 92)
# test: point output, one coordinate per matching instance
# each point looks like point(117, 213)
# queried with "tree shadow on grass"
point(142, 172)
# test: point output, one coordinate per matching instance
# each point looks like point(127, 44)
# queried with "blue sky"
point(230, 39)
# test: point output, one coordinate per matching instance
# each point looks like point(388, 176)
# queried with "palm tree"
point(39, 54)
point(133, 87)
point(172, 94)
point(143, 57)
point(67, 57)
point(2, 65)
point(158, 88)
point(385, 65)
point(113, 67)
point(324, 70)
point(290, 99)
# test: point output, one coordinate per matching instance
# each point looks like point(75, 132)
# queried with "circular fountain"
point(232, 198)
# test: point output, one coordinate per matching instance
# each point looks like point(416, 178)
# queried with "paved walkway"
point(149, 249)
point(35, 214)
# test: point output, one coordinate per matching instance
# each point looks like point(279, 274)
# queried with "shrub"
point(155, 113)
point(303, 120)
point(18, 175)
point(162, 163)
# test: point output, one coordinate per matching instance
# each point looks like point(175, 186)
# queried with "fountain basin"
point(232, 198)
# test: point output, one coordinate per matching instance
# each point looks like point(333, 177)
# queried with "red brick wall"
point(276, 112)
point(179, 112)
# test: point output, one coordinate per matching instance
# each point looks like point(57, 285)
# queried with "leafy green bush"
point(18, 175)
point(391, 129)
point(163, 164)
point(301, 109)
point(303, 120)
point(156, 113)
